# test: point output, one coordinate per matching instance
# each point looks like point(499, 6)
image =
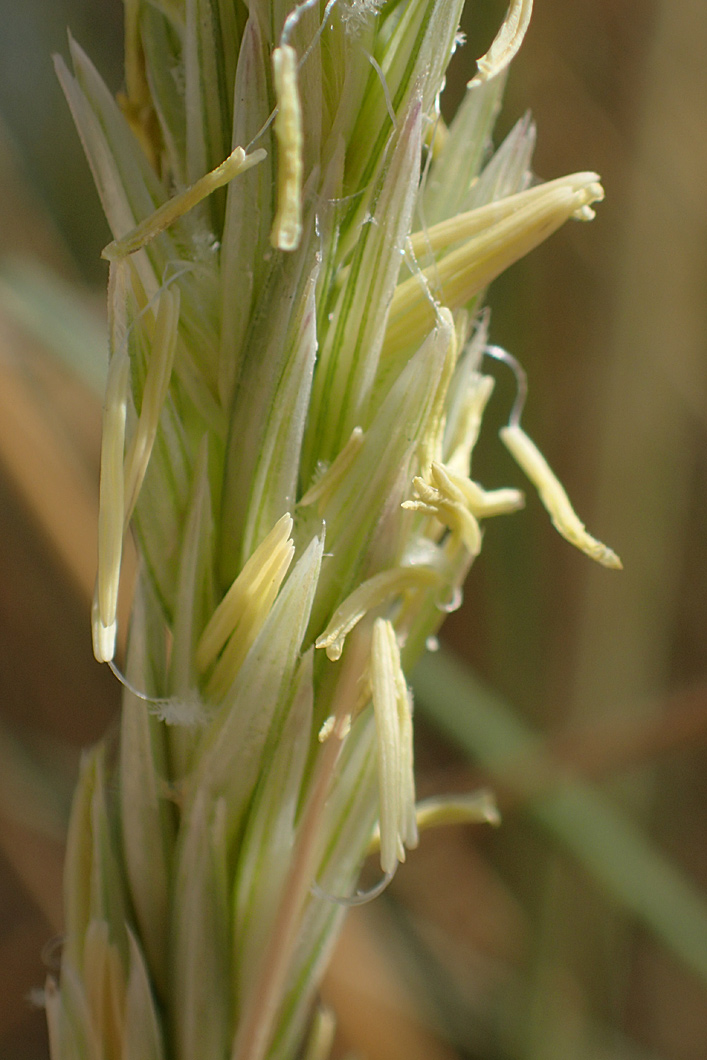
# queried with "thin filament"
point(518, 370)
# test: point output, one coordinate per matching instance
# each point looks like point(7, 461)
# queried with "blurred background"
point(578, 929)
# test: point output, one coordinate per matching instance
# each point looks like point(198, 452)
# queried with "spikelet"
point(294, 396)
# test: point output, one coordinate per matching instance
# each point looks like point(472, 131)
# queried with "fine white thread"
point(359, 898)
point(499, 354)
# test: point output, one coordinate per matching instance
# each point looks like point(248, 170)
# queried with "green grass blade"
point(610, 847)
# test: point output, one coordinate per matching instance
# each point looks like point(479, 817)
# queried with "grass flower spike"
point(299, 258)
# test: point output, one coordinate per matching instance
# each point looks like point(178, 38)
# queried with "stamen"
point(287, 225)
point(320, 1039)
point(111, 513)
point(266, 586)
point(550, 490)
point(226, 616)
point(464, 226)
point(464, 272)
point(506, 42)
point(236, 622)
point(103, 636)
point(374, 592)
point(443, 499)
point(392, 708)
point(478, 807)
point(484, 504)
point(334, 726)
point(468, 425)
point(237, 162)
point(554, 498)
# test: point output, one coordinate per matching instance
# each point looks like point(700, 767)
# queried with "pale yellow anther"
point(483, 504)
point(320, 1039)
point(165, 215)
point(506, 42)
point(392, 707)
point(468, 425)
point(239, 617)
point(159, 372)
point(287, 225)
point(461, 274)
point(465, 226)
point(553, 496)
point(436, 135)
point(458, 503)
point(326, 485)
point(103, 637)
point(442, 499)
point(258, 607)
point(111, 512)
point(380, 589)
point(342, 727)
point(431, 444)
point(479, 807)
